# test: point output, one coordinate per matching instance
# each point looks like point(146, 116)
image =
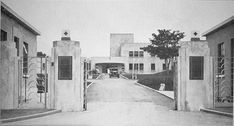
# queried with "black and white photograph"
point(116, 62)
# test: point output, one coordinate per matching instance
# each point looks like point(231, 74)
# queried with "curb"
point(216, 112)
point(29, 116)
point(123, 77)
point(90, 85)
point(147, 87)
point(153, 90)
point(99, 76)
point(93, 82)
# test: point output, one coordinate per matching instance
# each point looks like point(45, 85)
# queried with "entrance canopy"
point(104, 67)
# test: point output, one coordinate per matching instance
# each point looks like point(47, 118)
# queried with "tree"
point(164, 45)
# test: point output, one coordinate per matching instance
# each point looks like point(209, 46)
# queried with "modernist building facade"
point(15, 29)
point(220, 40)
point(127, 57)
point(18, 42)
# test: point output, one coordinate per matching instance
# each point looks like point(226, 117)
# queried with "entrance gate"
point(223, 81)
point(33, 82)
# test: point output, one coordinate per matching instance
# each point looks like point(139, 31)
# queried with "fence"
point(33, 82)
point(223, 81)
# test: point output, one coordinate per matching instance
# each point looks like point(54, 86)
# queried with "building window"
point(130, 66)
point(130, 53)
point(141, 54)
point(164, 66)
point(136, 66)
point(16, 40)
point(196, 65)
point(25, 58)
point(152, 66)
point(221, 50)
point(135, 53)
point(3, 35)
point(65, 67)
point(221, 55)
point(141, 66)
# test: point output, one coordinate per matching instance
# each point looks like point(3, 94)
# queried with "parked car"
point(114, 73)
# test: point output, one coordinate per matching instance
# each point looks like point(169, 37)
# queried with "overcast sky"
point(92, 21)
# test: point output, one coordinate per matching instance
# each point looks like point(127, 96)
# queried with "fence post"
point(45, 81)
point(175, 82)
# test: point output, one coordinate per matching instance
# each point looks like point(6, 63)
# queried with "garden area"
point(154, 80)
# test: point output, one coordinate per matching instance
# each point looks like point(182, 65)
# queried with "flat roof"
point(220, 25)
point(20, 20)
point(121, 34)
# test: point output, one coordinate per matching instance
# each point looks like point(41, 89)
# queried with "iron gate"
point(33, 82)
point(223, 81)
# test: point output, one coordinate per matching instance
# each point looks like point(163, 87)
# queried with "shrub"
point(154, 80)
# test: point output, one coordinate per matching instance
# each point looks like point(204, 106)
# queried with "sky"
point(91, 21)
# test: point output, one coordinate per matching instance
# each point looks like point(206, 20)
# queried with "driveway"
point(120, 102)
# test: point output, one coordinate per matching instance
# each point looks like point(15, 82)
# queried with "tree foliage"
point(164, 44)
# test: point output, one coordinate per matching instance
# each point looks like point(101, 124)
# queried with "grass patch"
point(154, 80)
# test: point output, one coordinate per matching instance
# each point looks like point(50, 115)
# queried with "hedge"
point(154, 80)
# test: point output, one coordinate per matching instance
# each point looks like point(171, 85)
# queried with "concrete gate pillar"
point(66, 77)
point(194, 72)
point(9, 75)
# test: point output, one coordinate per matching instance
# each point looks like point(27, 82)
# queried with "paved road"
point(119, 102)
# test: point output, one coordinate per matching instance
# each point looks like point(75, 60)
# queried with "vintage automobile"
point(114, 73)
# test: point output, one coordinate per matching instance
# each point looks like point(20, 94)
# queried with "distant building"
point(221, 43)
point(18, 42)
point(127, 57)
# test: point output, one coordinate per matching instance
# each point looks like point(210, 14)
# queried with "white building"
point(127, 57)
point(18, 45)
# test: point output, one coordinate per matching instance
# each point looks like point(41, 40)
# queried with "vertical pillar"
point(0, 62)
point(194, 89)
point(8, 82)
point(68, 89)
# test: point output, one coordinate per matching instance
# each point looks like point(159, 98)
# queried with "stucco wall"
point(223, 35)
point(146, 60)
point(14, 29)
point(126, 60)
point(120, 45)
point(116, 40)
point(8, 53)
point(194, 94)
point(68, 93)
point(9, 76)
